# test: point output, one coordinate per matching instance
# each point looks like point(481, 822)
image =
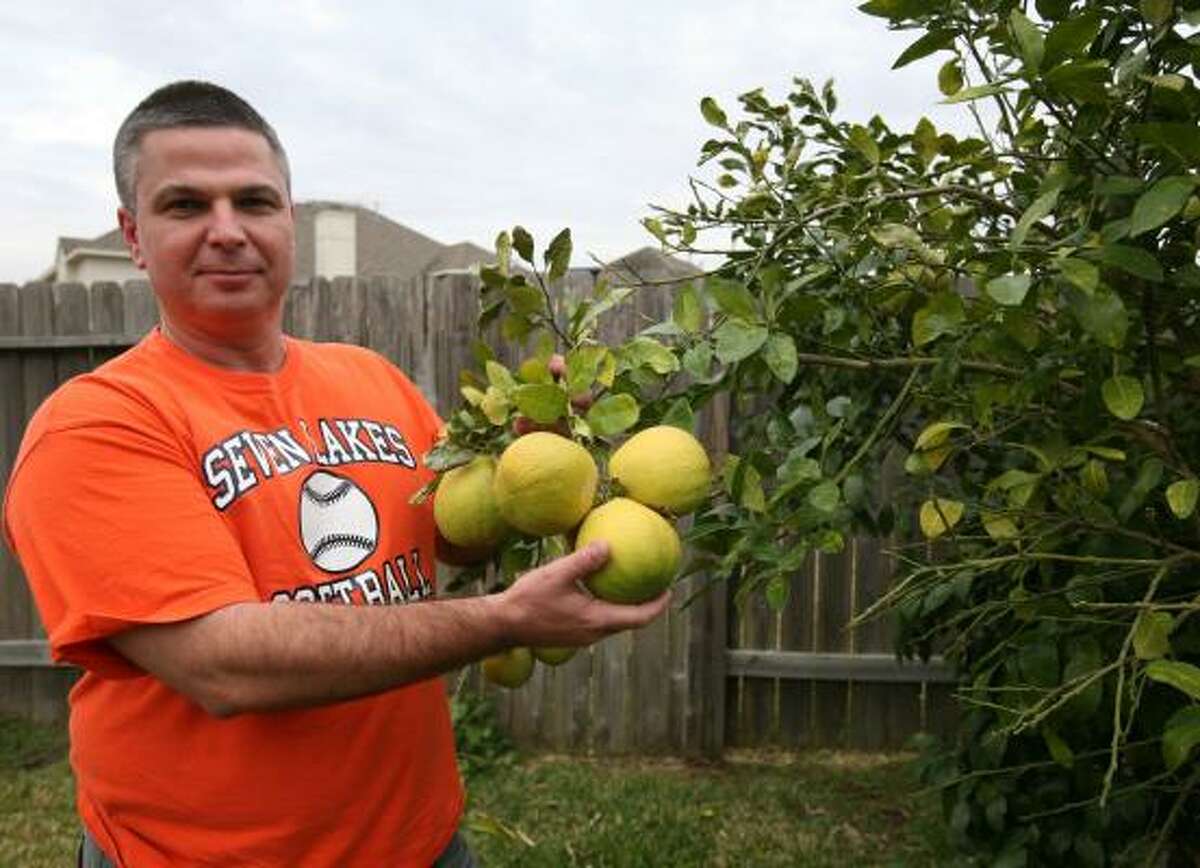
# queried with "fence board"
point(107, 303)
point(15, 693)
point(141, 309)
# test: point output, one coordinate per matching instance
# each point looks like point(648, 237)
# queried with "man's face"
point(213, 229)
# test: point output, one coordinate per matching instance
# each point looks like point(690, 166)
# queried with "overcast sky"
point(456, 119)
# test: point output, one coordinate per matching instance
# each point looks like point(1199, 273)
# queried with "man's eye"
point(184, 206)
point(257, 203)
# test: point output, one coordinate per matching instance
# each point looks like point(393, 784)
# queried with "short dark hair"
point(185, 104)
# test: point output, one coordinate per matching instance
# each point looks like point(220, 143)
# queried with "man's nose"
point(225, 228)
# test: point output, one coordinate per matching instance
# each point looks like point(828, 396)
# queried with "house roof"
point(462, 255)
point(648, 264)
point(112, 240)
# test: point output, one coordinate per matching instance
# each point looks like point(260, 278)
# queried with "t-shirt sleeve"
point(113, 529)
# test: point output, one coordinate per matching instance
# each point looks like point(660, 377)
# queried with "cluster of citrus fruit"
point(545, 485)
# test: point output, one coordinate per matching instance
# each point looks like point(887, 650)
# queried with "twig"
point(1115, 744)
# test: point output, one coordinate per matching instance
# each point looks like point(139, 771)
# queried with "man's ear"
point(129, 231)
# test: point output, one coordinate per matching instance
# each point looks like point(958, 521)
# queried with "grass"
point(38, 826)
point(813, 809)
point(753, 809)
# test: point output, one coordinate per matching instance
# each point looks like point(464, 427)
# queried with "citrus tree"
point(1012, 315)
point(1008, 319)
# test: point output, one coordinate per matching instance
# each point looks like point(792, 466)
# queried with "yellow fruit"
point(510, 668)
point(554, 656)
point(663, 467)
point(464, 506)
point(544, 483)
point(644, 551)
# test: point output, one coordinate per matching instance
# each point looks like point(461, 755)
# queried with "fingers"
point(580, 564)
point(630, 616)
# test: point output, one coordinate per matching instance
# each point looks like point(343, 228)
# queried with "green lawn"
point(812, 809)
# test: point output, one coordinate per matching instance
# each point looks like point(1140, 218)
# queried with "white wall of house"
point(87, 267)
point(336, 243)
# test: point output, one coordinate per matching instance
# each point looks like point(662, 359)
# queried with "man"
point(187, 515)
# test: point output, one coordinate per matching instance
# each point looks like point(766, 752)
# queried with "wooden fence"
point(696, 681)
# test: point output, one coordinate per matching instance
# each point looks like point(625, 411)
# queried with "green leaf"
point(495, 406)
point(1038, 662)
point(1181, 139)
point(1052, 10)
point(446, 455)
point(1030, 42)
point(687, 309)
point(646, 352)
point(942, 315)
point(1009, 289)
point(583, 365)
point(503, 254)
point(1181, 497)
point(1080, 272)
point(525, 299)
point(1180, 735)
point(934, 40)
point(777, 592)
point(500, 376)
point(1071, 36)
point(1060, 751)
point(1081, 80)
point(713, 113)
point(1182, 676)
point(1157, 12)
point(897, 9)
point(1160, 203)
point(925, 141)
point(1151, 634)
point(558, 256)
point(697, 360)
point(938, 515)
point(979, 91)
point(732, 297)
point(743, 483)
point(897, 235)
point(1042, 206)
point(950, 78)
point(825, 496)
point(680, 415)
point(861, 140)
point(780, 355)
point(613, 414)
point(999, 527)
point(522, 242)
point(737, 340)
point(1123, 396)
point(541, 402)
point(936, 434)
point(1104, 317)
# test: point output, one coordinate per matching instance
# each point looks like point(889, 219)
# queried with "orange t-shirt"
point(159, 488)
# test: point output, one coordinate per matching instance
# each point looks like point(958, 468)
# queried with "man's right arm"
point(251, 657)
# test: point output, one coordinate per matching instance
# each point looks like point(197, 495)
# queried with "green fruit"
point(554, 656)
point(510, 668)
point(644, 551)
point(663, 467)
point(464, 506)
point(544, 483)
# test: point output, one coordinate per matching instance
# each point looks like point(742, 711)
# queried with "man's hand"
point(551, 606)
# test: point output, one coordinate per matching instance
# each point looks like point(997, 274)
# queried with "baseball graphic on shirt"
point(338, 524)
